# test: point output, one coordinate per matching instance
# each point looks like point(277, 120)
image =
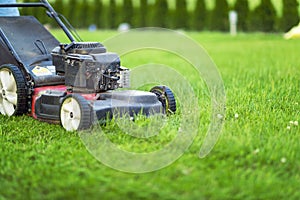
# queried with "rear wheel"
point(13, 96)
point(166, 97)
point(75, 113)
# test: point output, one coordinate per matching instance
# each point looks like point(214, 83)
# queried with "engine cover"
point(89, 68)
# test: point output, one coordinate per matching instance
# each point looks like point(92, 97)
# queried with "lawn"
point(256, 157)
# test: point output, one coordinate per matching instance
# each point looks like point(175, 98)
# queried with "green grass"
point(256, 157)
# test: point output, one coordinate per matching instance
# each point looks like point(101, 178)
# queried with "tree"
point(290, 15)
point(127, 11)
point(160, 13)
point(242, 8)
point(181, 14)
point(41, 15)
point(219, 21)
point(98, 13)
point(143, 13)
point(200, 15)
point(112, 14)
point(72, 15)
point(59, 6)
point(84, 14)
point(268, 16)
point(255, 22)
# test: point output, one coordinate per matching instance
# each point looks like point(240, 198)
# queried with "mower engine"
point(88, 68)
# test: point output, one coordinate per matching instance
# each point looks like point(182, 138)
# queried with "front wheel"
point(166, 97)
point(75, 113)
point(13, 96)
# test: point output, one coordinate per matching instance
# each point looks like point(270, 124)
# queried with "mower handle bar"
point(52, 12)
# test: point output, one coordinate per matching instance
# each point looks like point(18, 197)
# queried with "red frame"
point(40, 90)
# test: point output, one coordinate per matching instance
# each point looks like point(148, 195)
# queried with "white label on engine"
point(41, 71)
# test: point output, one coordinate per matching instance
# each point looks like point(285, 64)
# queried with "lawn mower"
point(75, 84)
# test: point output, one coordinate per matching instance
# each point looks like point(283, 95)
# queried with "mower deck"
point(127, 102)
point(46, 103)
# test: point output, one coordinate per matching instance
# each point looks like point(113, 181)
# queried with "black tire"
point(77, 115)
point(20, 105)
point(166, 97)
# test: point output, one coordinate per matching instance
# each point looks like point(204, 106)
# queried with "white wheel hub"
point(70, 114)
point(8, 93)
